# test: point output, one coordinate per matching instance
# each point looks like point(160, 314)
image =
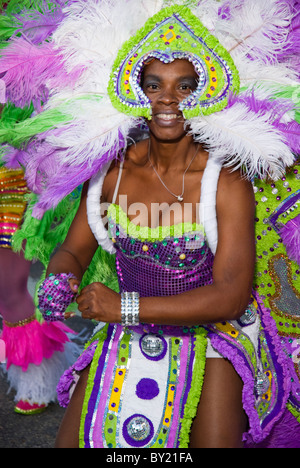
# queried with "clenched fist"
point(98, 302)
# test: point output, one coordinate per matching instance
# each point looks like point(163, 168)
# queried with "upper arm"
point(235, 256)
point(80, 242)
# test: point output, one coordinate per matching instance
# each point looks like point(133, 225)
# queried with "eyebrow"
point(181, 78)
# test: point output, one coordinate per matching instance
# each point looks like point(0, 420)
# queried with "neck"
point(171, 155)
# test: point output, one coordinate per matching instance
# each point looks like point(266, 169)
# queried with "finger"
point(82, 299)
point(69, 315)
point(86, 313)
point(82, 303)
point(74, 284)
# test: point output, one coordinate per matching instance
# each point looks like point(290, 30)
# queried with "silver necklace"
point(179, 197)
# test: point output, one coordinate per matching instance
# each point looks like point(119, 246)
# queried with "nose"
point(167, 96)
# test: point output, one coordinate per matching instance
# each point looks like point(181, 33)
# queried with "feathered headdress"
point(77, 64)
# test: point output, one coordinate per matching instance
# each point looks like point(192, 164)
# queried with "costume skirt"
point(143, 388)
point(145, 382)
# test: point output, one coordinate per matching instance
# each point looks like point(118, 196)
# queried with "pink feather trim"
point(33, 342)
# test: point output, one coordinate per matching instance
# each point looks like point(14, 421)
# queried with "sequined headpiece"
point(174, 33)
point(70, 82)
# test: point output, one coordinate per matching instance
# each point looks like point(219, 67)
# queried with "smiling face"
point(166, 85)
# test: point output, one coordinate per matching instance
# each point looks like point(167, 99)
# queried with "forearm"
point(209, 304)
point(65, 262)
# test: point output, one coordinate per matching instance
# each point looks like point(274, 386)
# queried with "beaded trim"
point(174, 33)
point(21, 323)
point(13, 202)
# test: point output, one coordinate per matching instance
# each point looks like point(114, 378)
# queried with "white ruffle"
point(207, 206)
point(208, 199)
point(93, 207)
point(38, 384)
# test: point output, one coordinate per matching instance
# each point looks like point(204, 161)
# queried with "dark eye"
point(151, 87)
point(190, 87)
point(185, 87)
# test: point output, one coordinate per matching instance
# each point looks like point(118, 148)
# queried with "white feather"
point(240, 138)
point(88, 137)
point(207, 12)
point(258, 28)
point(93, 32)
point(251, 73)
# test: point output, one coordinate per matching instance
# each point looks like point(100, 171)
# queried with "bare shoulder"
point(136, 156)
point(232, 183)
point(235, 195)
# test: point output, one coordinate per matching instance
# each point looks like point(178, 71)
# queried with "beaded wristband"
point(55, 295)
point(130, 302)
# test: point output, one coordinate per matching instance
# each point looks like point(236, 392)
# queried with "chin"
point(167, 135)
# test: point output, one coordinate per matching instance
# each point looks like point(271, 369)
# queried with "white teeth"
point(167, 116)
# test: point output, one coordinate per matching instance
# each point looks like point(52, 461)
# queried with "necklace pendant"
point(180, 198)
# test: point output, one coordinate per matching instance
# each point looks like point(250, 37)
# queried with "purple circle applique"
point(147, 389)
point(137, 430)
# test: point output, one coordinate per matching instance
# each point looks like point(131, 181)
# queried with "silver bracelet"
point(130, 305)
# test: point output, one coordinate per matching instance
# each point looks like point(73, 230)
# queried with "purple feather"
point(291, 132)
point(37, 26)
point(290, 235)
point(28, 67)
point(274, 110)
point(290, 52)
point(12, 157)
point(224, 11)
point(51, 179)
point(67, 179)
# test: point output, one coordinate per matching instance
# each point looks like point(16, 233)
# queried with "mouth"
point(168, 117)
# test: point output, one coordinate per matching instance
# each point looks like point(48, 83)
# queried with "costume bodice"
point(161, 261)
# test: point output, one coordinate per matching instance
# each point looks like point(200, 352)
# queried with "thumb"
point(74, 285)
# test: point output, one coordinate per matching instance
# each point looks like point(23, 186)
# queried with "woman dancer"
point(150, 364)
point(211, 290)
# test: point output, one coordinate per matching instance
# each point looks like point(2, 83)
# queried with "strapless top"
point(160, 261)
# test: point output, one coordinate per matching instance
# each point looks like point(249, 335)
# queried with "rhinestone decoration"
point(262, 383)
point(153, 346)
point(248, 317)
point(138, 428)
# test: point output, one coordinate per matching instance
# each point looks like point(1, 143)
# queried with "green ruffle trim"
point(43, 236)
point(145, 233)
point(191, 406)
point(101, 336)
point(294, 412)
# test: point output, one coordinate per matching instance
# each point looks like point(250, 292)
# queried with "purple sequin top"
point(164, 266)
